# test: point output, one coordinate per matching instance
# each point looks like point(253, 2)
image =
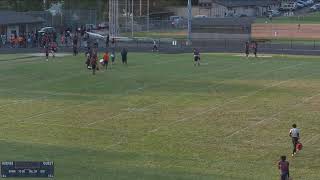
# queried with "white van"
point(288, 6)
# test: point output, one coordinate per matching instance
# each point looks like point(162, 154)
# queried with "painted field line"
point(52, 144)
point(311, 139)
point(272, 117)
point(115, 116)
point(127, 92)
point(148, 106)
point(118, 115)
point(232, 100)
point(81, 104)
point(15, 102)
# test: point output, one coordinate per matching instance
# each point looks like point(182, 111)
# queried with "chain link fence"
point(68, 18)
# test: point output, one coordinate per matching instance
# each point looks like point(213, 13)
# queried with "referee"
point(295, 135)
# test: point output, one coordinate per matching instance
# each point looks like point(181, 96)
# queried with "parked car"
point(308, 2)
point(273, 13)
point(300, 5)
point(176, 21)
point(305, 3)
point(47, 30)
point(200, 16)
point(103, 25)
point(90, 27)
point(288, 6)
point(315, 7)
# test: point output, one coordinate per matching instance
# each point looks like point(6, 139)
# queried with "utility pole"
point(140, 8)
point(113, 17)
point(148, 15)
point(189, 21)
point(132, 18)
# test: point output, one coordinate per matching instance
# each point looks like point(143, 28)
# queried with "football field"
point(161, 118)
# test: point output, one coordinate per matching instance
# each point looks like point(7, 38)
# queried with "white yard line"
point(272, 117)
point(311, 139)
point(231, 100)
point(127, 92)
point(148, 106)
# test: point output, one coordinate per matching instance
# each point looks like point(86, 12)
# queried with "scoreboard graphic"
point(44, 169)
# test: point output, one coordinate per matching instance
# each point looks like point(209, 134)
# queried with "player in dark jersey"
point(196, 56)
point(247, 46)
point(124, 55)
point(47, 51)
point(54, 49)
point(94, 60)
point(75, 45)
point(283, 166)
point(255, 48)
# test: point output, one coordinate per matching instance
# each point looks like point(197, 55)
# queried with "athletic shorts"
point(196, 58)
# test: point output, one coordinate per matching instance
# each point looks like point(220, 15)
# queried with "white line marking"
point(115, 116)
point(272, 117)
point(311, 139)
point(146, 107)
point(231, 100)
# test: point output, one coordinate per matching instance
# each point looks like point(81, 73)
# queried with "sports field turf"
point(161, 118)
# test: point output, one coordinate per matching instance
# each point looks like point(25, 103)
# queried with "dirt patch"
point(286, 31)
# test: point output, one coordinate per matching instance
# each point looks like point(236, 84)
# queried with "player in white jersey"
point(295, 135)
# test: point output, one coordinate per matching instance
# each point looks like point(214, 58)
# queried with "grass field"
point(160, 117)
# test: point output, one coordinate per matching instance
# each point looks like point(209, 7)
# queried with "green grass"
point(162, 118)
point(311, 18)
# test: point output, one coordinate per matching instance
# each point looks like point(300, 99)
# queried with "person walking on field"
point(247, 46)
point(155, 46)
point(94, 60)
point(196, 56)
point(294, 133)
point(124, 54)
point(106, 59)
point(113, 56)
point(283, 166)
point(255, 49)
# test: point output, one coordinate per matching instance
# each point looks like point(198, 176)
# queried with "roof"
point(239, 3)
point(11, 17)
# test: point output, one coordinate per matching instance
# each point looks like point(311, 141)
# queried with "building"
point(17, 23)
point(237, 8)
